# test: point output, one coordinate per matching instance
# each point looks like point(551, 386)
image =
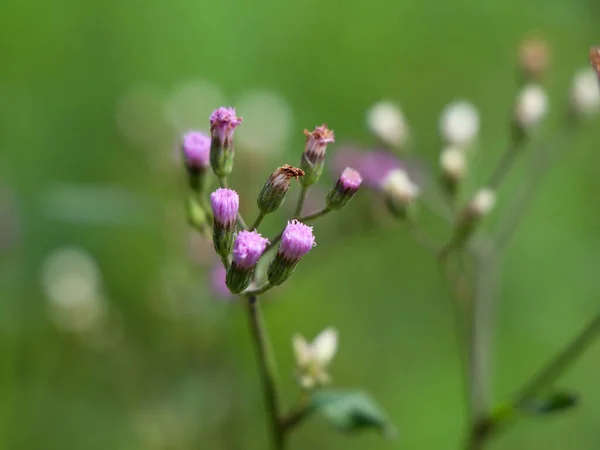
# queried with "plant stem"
point(301, 201)
point(503, 167)
point(560, 362)
point(260, 290)
point(266, 367)
point(257, 222)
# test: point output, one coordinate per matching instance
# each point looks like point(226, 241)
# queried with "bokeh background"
point(110, 333)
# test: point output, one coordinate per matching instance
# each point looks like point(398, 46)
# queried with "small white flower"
point(399, 187)
point(453, 163)
point(386, 121)
point(313, 358)
point(483, 202)
point(585, 92)
point(459, 123)
point(531, 106)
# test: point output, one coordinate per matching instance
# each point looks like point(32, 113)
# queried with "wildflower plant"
point(241, 249)
point(470, 258)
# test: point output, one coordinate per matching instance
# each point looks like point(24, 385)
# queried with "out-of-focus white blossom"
point(531, 106)
point(459, 123)
point(386, 121)
point(312, 358)
point(585, 92)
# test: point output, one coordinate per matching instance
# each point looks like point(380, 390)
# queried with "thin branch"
point(267, 372)
point(301, 200)
point(257, 222)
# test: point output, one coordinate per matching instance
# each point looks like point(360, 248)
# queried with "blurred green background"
point(93, 97)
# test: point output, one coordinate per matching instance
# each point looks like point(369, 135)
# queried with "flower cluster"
point(241, 248)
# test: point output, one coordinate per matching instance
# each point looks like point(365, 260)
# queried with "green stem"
point(260, 290)
point(300, 412)
point(503, 167)
point(560, 362)
point(301, 201)
point(257, 222)
point(266, 365)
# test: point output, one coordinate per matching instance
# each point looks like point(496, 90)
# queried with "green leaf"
point(351, 411)
point(553, 402)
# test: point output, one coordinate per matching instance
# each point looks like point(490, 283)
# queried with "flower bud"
point(585, 93)
point(225, 205)
point(223, 122)
point(247, 250)
point(595, 60)
point(399, 192)
point(480, 206)
point(453, 163)
point(459, 123)
point(313, 158)
point(196, 156)
point(196, 215)
point(296, 241)
point(530, 108)
point(273, 193)
point(387, 123)
point(534, 57)
point(344, 189)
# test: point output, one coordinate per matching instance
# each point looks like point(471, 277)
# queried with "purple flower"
point(350, 179)
point(316, 143)
point(297, 240)
point(344, 189)
point(248, 248)
point(196, 150)
point(217, 278)
point(225, 205)
point(223, 122)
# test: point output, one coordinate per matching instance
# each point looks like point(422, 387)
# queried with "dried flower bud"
point(534, 58)
point(585, 93)
point(480, 206)
point(399, 192)
point(247, 250)
point(459, 123)
point(453, 162)
point(387, 123)
point(225, 205)
point(344, 189)
point(196, 156)
point(313, 158)
point(595, 59)
point(296, 241)
point(273, 193)
point(531, 107)
point(223, 122)
point(312, 358)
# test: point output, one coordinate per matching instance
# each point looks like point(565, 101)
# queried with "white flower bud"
point(386, 121)
point(585, 92)
point(483, 202)
point(531, 106)
point(453, 163)
point(459, 123)
point(399, 187)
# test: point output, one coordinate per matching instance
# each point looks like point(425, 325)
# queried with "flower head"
point(316, 143)
point(483, 202)
point(534, 57)
point(223, 122)
point(531, 106)
point(453, 162)
point(225, 205)
point(313, 158)
point(196, 150)
point(595, 59)
point(297, 240)
point(459, 123)
point(312, 358)
point(386, 121)
point(273, 193)
point(585, 92)
point(248, 248)
point(398, 185)
point(344, 189)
